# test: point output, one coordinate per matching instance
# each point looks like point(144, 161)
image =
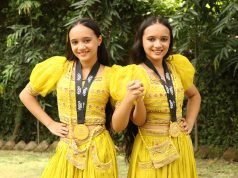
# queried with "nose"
point(81, 46)
point(157, 43)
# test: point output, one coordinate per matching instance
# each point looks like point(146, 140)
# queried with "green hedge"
point(218, 118)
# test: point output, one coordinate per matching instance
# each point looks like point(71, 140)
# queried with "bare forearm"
point(193, 107)
point(121, 115)
point(139, 113)
point(34, 107)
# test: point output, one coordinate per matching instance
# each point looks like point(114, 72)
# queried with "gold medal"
point(174, 129)
point(81, 131)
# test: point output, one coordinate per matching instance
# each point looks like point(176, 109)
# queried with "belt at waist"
point(159, 128)
point(93, 131)
point(78, 149)
point(163, 130)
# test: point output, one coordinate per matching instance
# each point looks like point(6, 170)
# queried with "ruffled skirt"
point(100, 160)
point(141, 165)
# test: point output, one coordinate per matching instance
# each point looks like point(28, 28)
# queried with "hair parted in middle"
point(137, 52)
point(102, 51)
point(101, 54)
point(138, 56)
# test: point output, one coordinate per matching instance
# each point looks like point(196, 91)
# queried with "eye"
point(74, 42)
point(164, 39)
point(151, 39)
point(86, 40)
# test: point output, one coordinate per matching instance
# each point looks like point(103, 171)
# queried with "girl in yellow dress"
point(162, 147)
point(84, 85)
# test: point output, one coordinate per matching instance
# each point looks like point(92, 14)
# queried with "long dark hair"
point(137, 53)
point(102, 51)
point(138, 56)
point(128, 140)
point(101, 54)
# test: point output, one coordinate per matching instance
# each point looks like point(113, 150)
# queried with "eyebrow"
point(81, 38)
point(155, 36)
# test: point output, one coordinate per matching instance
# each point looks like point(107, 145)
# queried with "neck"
point(158, 63)
point(88, 65)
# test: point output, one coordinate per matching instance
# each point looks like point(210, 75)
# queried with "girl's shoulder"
point(184, 68)
point(46, 74)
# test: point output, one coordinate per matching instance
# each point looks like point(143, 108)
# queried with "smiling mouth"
point(158, 52)
point(83, 53)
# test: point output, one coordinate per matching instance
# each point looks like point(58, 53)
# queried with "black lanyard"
point(168, 86)
point(82, 91)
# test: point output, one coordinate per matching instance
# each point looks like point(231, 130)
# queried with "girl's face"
point(84, 43)
point(156, 40)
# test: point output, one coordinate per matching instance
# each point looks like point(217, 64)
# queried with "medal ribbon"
point(168, 86)
point(82, 91)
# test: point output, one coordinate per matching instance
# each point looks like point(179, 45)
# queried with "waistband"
point(94, 130)
point(159, 129)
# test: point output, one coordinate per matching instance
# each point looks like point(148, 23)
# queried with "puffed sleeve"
point(121, 76)
point(45, 75)
point(184, 68)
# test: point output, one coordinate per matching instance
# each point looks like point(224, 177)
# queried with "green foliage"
point(204, 30)
point(27, 6)
point(117, 20)
point(25, 46)
point(35, 30)
point(218, 119)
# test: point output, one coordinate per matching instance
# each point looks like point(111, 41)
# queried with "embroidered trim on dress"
point(162, 154)
point(97, 162)
point(78, 156)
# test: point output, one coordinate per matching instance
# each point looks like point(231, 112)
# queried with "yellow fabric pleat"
point(56, 73)
point(122, 76)
point(60, 167)
point(46, 74)
point(141, 165)
point(184, 167)
point(184, 68)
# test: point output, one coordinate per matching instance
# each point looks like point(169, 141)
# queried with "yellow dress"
point(94, 157)
point(158, 113)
